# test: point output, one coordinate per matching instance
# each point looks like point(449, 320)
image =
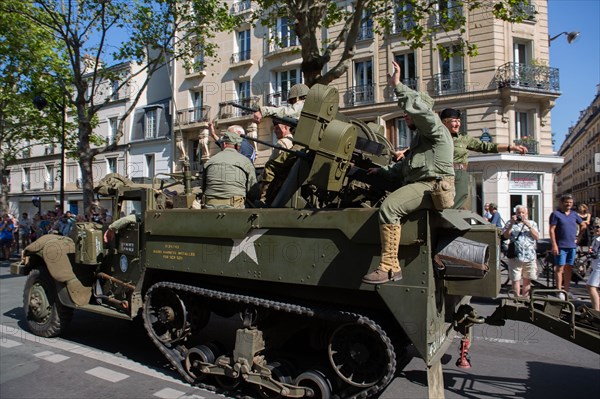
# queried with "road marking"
point(104, 357)
point(51, 356)
point(106, 374)
point(9, 343)
point(169, 393)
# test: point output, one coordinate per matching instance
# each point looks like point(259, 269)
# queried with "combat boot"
point(389, 267)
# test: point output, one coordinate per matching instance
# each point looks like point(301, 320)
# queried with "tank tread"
point(324, 313)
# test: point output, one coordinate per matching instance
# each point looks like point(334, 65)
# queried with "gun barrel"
point(295, 152)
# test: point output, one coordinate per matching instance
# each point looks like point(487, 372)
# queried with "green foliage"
point(414, 22)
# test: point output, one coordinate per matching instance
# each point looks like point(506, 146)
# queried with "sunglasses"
point(597, 227)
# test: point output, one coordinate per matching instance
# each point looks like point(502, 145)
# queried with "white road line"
point(168, 393)
point(108, 358)
point(8, 343)
point(51, 356)
point(107, 374)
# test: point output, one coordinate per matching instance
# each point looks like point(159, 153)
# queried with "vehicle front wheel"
point(44, 313)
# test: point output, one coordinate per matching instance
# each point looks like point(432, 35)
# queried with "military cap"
point(450, 113)
point(233, 138)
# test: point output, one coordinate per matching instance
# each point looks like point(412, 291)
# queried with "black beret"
point(450, 113)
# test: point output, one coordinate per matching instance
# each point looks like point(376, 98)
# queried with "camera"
point(519, 219)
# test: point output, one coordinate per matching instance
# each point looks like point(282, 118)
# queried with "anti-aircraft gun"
point(309, 327)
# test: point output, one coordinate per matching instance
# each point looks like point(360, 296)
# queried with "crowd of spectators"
point(18, 232)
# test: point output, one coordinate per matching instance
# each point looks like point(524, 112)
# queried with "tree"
point(28, 62)
point(153, 33)
point(409, 18)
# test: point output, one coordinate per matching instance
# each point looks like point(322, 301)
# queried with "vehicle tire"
point(45, 315)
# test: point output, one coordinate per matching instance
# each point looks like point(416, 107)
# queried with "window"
point(114, 86)
point(26, 179)
point(404, 136)
point(197, 101)
point(408, 69)
point(286, 36)
point(522, 53)
point(199, 59)
point(243, 45)
point(244, 89)
point(366, 27)
point(284, 80)
point(452, 77)
point(26, 153)
point(111, 165)
point(50, 175)
point(363, 91)
point(448, 10)
point(150, 125)
point(522, 126)
point(403, 19)
point(150, 165)
point(112, 129)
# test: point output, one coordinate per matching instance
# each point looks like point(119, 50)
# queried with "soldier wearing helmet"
point(296, 97)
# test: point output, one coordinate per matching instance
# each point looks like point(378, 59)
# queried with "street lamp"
point(40, 103)
point(571, 37)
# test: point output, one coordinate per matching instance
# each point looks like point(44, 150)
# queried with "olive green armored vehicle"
point(308, 326)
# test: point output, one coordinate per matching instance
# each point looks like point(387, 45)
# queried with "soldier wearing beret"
point(462, 145)
point(229, 177)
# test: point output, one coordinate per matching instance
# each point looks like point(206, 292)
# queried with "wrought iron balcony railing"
point(531, 77)
point(226, 110)
point(358, 95)
point(192, 115)
point(240, 6)
point(388, 92)
point(288, 42)
point(527, 11)
point(403, 23)
point(449, 83)
point(532, 145)
point(241, 56)
point(365, 32)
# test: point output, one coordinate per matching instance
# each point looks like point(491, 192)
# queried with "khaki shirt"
point(464, 143)
point(432, 154)
point(290, 111)
point(228, 174)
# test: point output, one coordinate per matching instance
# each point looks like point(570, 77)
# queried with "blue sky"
point(578, 62)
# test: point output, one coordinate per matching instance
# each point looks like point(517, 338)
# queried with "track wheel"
point(167, 315)
point(316, 381)
point(45, 315)
point(358, 355)
point(281, 372)
point(196, 356)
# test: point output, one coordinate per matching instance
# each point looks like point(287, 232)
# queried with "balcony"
point(239, 57)
point(226, 110)
point(192, 115)
point(528, 77)
point(240, 7)
point(359, 95)
point(532, 145)
point(49, 185)
point(365, 32)
point(413, 83)
point(527, 11)
point(25, 186)
point(403, 24)
point(49, 149)
point(449, 83)
point(283, 45)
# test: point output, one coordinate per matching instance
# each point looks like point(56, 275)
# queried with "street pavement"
point(102, 357)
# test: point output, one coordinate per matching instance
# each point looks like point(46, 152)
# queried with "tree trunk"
point(86, 158)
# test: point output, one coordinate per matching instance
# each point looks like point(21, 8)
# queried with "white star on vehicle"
point(246, 245)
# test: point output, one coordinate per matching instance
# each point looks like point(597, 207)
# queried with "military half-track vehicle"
point(308, 326)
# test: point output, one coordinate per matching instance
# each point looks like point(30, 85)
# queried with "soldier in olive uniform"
point(280, 162)
point(426, 172)
point(462, 145)
point(229, 177)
